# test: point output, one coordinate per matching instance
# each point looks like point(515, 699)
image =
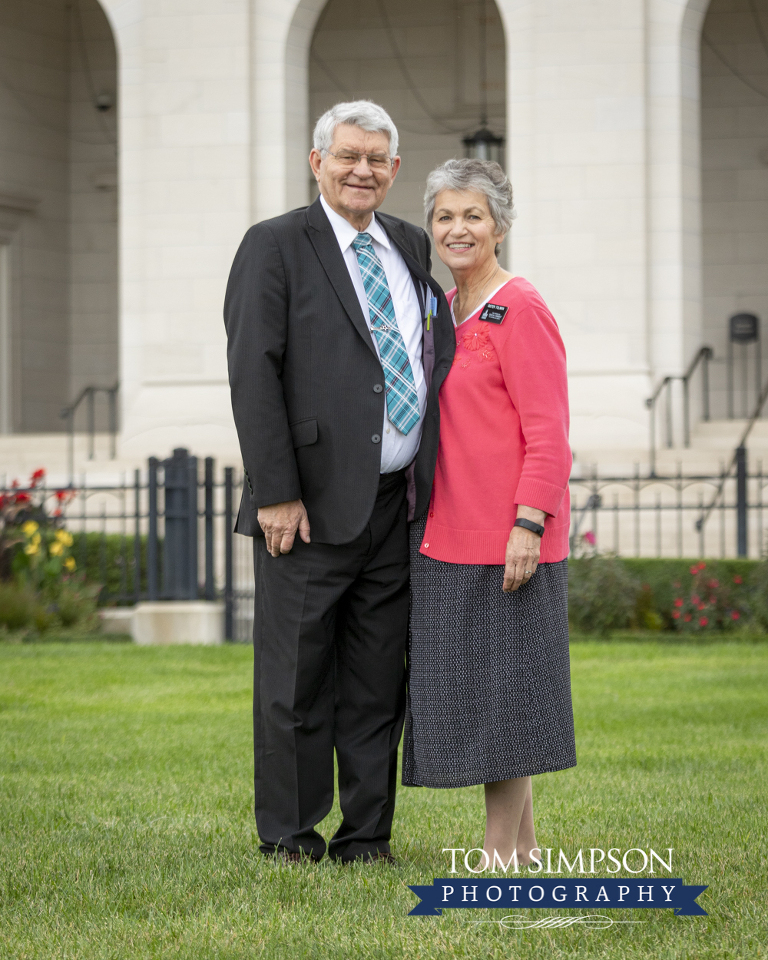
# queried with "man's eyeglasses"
point(376, 161)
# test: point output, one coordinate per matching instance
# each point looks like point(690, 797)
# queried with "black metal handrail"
point(68, 413)
point(739, 461)
point(703, 356)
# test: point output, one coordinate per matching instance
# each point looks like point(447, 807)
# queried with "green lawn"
point(126, 827)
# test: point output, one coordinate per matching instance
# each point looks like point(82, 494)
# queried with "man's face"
point(354, 190)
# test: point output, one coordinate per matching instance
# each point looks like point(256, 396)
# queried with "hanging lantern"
point(484, 145)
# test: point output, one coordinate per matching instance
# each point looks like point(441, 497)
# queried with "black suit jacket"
point(302, 370)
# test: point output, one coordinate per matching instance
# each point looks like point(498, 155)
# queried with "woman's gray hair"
point(484, 176)
point(360, 113)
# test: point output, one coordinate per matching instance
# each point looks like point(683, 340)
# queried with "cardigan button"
point(376, 438)
point(426, 546)
point(432, 514)
point(377, 388)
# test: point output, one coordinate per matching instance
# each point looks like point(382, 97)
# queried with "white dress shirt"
point(397, 449)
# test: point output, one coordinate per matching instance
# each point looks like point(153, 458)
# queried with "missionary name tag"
point(493, 313)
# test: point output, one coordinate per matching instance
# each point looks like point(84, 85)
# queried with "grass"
point(126, 828)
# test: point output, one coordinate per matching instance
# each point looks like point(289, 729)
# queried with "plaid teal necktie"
point(402, 399)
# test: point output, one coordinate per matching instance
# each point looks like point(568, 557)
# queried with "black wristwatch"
point(530, 525)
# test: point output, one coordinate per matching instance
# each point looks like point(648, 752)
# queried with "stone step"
point(21, 454)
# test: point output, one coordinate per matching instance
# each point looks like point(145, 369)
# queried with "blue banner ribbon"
point(510, 893)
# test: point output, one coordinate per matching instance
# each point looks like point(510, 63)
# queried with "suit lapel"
point(396, 233)
point(329, 253)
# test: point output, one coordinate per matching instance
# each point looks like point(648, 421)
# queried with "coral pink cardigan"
point(503, 434)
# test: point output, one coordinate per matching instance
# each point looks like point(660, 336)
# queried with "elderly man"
point(338, 341)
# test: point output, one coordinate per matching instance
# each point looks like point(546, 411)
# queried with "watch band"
point(530, 525)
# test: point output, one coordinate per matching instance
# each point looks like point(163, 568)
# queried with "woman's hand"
point(523, 550)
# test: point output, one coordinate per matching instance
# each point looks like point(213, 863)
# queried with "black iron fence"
point(165, 533)
point(721, 515)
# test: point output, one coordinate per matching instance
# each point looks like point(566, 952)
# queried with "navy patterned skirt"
point(489, 682)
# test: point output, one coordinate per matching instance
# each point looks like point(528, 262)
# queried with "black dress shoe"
point(378, 856)
point(291, 857)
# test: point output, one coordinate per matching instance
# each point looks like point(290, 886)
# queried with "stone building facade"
point(140, 138)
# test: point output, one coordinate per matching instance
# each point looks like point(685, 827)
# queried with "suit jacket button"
point(375, 438)
point(377, 388)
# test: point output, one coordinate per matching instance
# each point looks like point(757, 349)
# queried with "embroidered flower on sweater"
point(475, 340)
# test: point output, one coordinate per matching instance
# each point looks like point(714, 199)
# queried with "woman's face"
point(464, 232)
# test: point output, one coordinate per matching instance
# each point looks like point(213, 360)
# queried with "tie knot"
point(362, 240)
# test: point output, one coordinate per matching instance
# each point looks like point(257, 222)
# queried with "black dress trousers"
point(330, 629)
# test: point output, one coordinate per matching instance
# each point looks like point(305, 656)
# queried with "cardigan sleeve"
point(532, 357)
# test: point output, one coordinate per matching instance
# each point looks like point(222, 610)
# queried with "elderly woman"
point(489, 697)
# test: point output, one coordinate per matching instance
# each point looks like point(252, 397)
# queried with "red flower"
point(590, 538)
point(676, 615)
point(695, 598)
point(14, 485)
point(735, 615)
point(57, 512)
point(679, 602)
point(694, 570)
point(22, 498)
point(737, 579)
point(702, 565)
point(713, 584)
point(36, 477)
point(703, 621)
point(687, 618)
point(701, 606)
point(713, 600)
point(3, 498)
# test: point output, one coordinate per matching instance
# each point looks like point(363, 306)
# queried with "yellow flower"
point(30, 527)
point(63, 536)
point(70, 564)
point(56, 549)
point(35, 540)
point(31, 549)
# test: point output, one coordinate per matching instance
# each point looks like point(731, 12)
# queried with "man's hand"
point(280, 521)
point(523, 550)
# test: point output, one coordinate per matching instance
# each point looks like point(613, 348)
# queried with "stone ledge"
point(166, 622)
point(117, 620)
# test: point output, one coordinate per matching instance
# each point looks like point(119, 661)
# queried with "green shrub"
point(665, 580)
point(725, 594)
point(107, 559)
point(18, 607)
point(23, 609)
point(602, 594)
point(758, 584)
point(76, 604)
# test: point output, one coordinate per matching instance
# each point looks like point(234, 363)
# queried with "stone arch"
point(58, 171)
point(734, 166)
point(435, 66)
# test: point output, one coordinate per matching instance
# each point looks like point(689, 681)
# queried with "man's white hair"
point(360, 113)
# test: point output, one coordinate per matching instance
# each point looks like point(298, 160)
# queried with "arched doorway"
point(734, 160)
point(58, 208)
point(424, 64)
